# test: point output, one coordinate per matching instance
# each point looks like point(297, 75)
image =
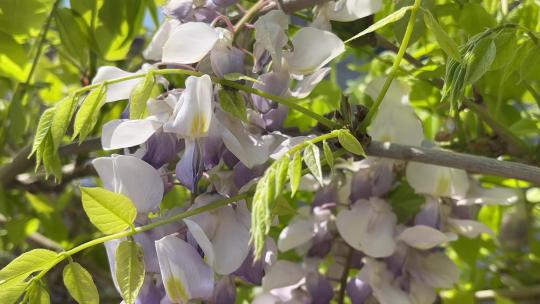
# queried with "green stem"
point(289, 102)
point(300, 147)
point(137, 230)
point(395, 67)
point(248, 16)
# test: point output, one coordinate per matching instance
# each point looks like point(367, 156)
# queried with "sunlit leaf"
point(295, 172)
point(80, 285)
point(27, 263)
point(89, 112)
point(129, 270)
point(110, 212)
point(312, 158)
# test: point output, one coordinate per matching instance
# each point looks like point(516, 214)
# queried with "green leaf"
point(530, 67)
point(74, 34)
point(295, 172)
point(63, 113)
point(51, 159)
point(447, 44)
point(313, 161)
point(140, 95)
point(405, 202)
point(110, 212)
point(506, 44)
point(12, 291)
point(479, 60)
point(129, 270)
point(281, 173)
point(350, 143)
point(393, 17)
point(37, 294)
point(89, 112)
point(80, 285)
point(43, 128)
point(239, 76)
point(27, 263)
point(328, 155)
point(233, 103)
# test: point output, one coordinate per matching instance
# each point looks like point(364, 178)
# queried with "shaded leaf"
point(350, 143)
point(479, 60)
point(447, 44)
point(43, 128)
point(37, 294)
point(233, 103)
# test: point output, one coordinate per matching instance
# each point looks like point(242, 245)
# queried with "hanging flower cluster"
point(219, 142)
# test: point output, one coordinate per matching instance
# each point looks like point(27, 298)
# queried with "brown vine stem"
point(249, 15)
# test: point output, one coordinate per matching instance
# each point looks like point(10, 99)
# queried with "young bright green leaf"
point(27, 263)
point(63, 113)
point(393, 17)
point(12, 290)
point(447, 44)
point(37, 294)
point(271, 192)
point(312, 159)
point(281, 173)
point(295, 172)
point(50, 157)
point(506, 44)
point(350, 143)
point(140, 95)
point(80, 285)
point(328, 155)
point(43, 128)
point(110, 212)
point(479, 60)
point(129, 270)
point(89, 112)
point(233, 103)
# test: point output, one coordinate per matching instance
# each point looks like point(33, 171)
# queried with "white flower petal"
point(190, 43)
point(231, 241)
point(202, 240)
point(193, 112)
point(369, 227)
point(489, 196)
point(270, 36)
point(297, 233)
point(115, 91)
point(184, 273)
point(469, 228)
point(250, 149)
point(422, 237)
point(350, 10)
point(436, 269)
point(313, 48)
point(282, 274)
point(154, 50)
point(125, 133)
point(308, 83)
point(132, 177)
point(437, 180)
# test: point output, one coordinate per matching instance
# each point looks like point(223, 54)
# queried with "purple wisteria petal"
point(275, 83)
point(225, 60)
point(190, 167)
point(225, 291)
point(358, 291)
point(161, 149)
